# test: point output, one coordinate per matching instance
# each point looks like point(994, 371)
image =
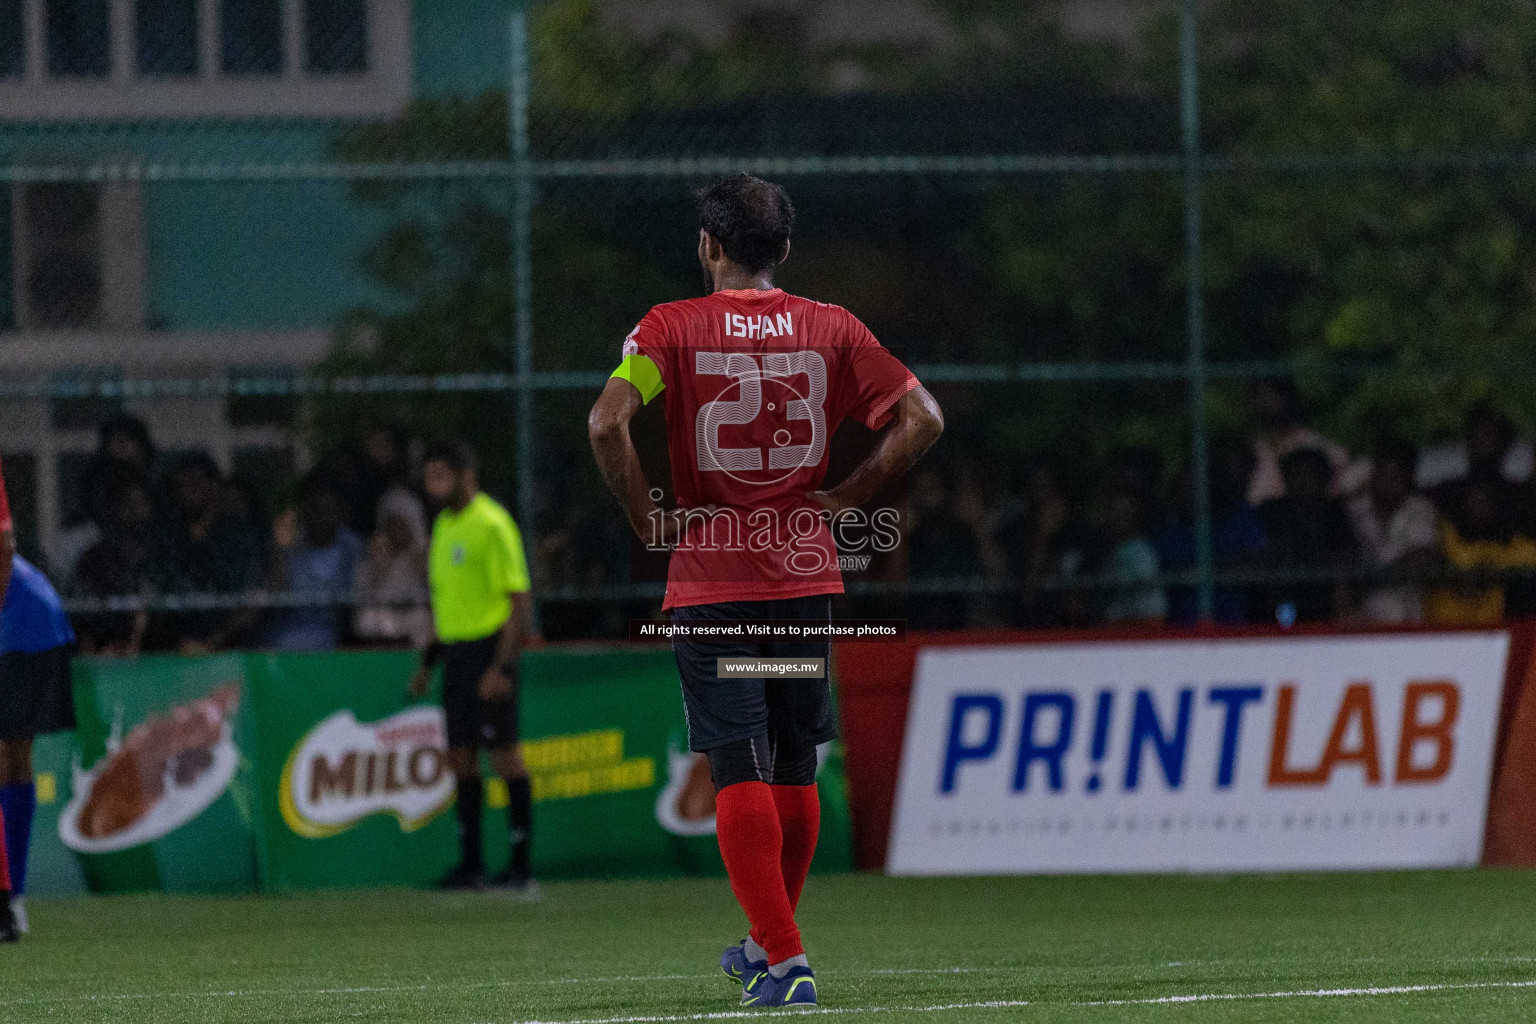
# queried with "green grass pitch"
point(1400, 947)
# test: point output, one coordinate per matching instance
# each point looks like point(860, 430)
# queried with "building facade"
point(156, 277)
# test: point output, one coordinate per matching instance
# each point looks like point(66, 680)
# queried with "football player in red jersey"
point(754, 382)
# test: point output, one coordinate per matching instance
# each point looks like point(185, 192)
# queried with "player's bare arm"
point(510, 642)
point(614, 449)
point(917, 424)
point(421, 678)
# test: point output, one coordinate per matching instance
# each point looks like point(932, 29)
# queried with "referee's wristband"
point(508, 668)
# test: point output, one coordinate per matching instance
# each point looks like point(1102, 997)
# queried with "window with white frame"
point(165, 38)
point(57, 247)
point(251, 40)
point(79, 38)
point(81, 59)
point(76, 256)
point(12, 48)
point(335, 37)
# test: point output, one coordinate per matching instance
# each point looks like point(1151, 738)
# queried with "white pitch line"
point(1316, 993)
point(738, 1014)
point(444, 986)
point(1311, 993)
point(819, 1011)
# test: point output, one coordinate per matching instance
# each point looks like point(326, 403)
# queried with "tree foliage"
point(1421, 271)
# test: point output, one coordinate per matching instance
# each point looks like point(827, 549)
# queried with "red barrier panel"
point(875, 684)
point(1511, 837)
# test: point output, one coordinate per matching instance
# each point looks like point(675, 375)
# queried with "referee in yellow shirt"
point(482, 612)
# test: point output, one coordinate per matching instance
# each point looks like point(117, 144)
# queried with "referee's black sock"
point(520, 824)
point(468, 809)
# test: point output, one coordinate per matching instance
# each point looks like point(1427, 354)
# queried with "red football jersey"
point(755, 384)
point(5, 506)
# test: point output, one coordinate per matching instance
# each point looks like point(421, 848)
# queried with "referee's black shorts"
point(795, 713)
point(473, 722)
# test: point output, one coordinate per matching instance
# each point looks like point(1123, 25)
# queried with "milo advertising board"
point(306, 771)
point(160, 791)
point(355, 778)
point(345, 770)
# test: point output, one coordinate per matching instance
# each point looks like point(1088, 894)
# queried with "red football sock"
point(800, 820)
point(751, 843)
point(5, 863)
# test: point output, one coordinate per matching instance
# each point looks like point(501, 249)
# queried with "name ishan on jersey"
point(764, 325)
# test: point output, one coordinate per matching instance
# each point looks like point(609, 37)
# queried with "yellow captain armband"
point(643, 374)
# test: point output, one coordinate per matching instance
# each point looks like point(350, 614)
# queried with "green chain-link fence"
point(269, 228)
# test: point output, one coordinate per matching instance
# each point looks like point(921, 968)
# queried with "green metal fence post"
point(1194, 273)
point(522, 271)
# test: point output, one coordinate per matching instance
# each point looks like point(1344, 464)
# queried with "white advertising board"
point(1342, 752)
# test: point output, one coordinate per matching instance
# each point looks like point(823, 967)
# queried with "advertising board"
point(303, 771)
point(1327, 752)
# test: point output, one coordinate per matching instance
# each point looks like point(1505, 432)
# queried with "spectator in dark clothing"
point(1138, 469)
point(1308, 531)
point(1130, 562)
point(244, 507)
point(1397, 532)
point(940, 546)
point(1276, 404)
point(1486, 484)
point(381, 465)
point(85, 529)
point(1485, 428)
point(1481, 546)
point(122, 441)
point(977, 500)
point(1057, 546)
point(1238, 540)
point(315, 555)
point(203, 549)
point(1489, 435)
point(118, 565)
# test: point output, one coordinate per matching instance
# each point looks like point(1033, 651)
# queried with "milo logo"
point(345, 770)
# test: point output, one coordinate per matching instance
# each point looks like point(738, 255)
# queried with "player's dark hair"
point(749, 217)
point(458, 456)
